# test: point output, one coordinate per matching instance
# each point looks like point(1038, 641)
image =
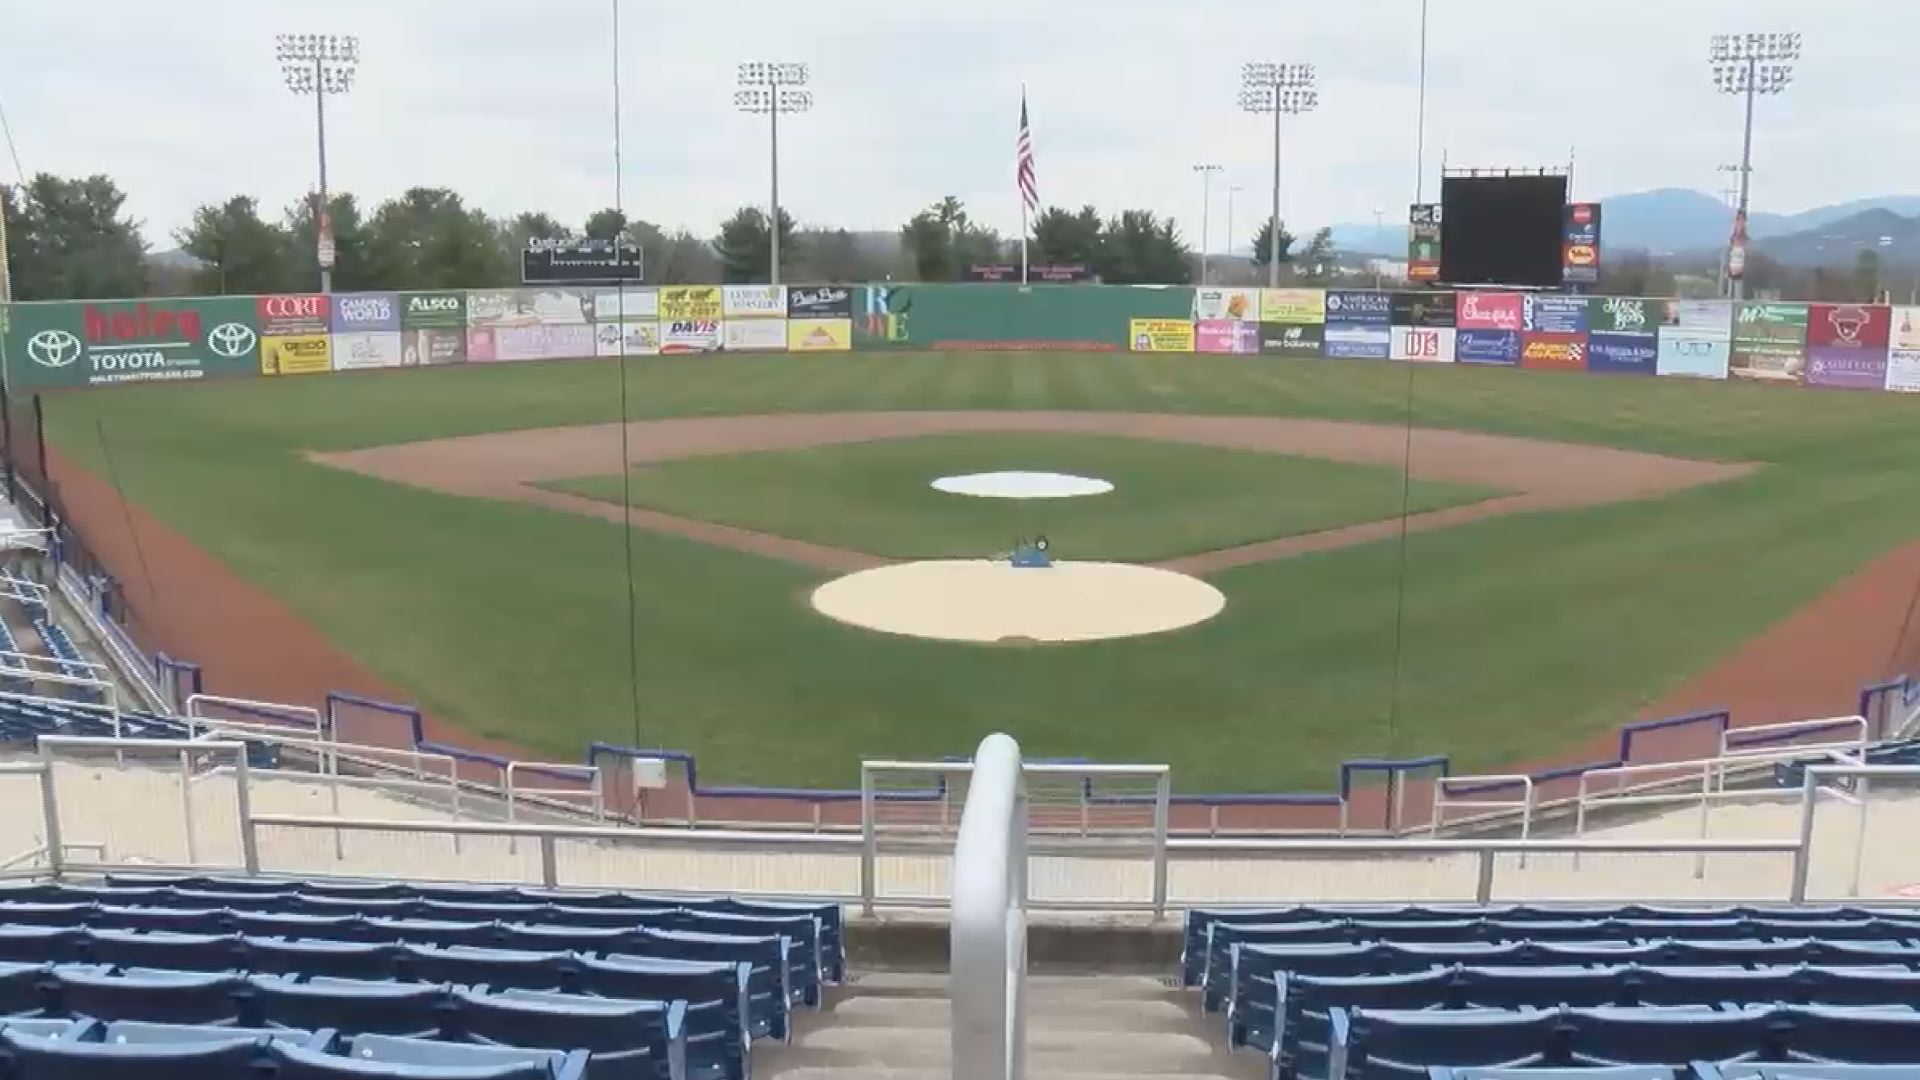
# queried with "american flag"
point(1023, 169)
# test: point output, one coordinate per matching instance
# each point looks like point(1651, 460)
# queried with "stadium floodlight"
point(1283, 90)
point(1750, 65)
point(319, 64)
point(1206, 172)
point(773, 88)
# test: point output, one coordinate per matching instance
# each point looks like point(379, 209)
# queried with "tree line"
point(71, 238)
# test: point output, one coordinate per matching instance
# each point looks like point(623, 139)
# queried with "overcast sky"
point(510, 102)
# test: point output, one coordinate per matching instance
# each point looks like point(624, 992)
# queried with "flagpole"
point(1023, 196)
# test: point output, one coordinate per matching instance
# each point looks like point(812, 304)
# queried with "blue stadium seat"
point(61, 914)
point(1547, 930)
point(1862, 985)
point(1298, 1022)
point(384, 908)
point(333, 959)
point(360, 890)
point(293, 925)
point(1686, 929)
point(1540, 987)
point(568, 898)
point(1664, 1036)
point(142, 994)
point(143, 1033)
point(164, 949)
point(718, 1012)
point(545, 937)
point(474, 911)
point(1417, 932)
point(1672, 986)
point(832, 920)
point(608, 918)
point(496, 968)
point(1860, 1036)
point(806, 961)
point(209, 898)
point(182, 920)
point(292, 1063)
point(1824, 929)
point(1852, 953)
point(769, 989)
point(1567, 953)
point(48, 1027)
point(433, 932)
point(1770, 1070)
point(1704, 953)
point(1252, 968)
point(1381, 1044)
point(33, 1058)
point(22, 987)
point(1598, 1072)
point(40, 945)
point(350, 1006)
point(627, 1040)
point(1418, 956)
point(393, 1050)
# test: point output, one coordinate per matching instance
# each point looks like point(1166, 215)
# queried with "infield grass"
point(1169, 498)
point(1522, 634)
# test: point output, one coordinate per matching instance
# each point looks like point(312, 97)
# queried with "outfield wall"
point(60, 344)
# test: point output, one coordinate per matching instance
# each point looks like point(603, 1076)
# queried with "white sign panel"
point(369, 349)
point(632, 338)
point(689, 335)
point(754, 335)
point(1903, 369)
point(613, 305)
point(1240, 305)
point(753, 302)
point(1424, 344)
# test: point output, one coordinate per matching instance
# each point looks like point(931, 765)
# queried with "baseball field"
point(1581, 549)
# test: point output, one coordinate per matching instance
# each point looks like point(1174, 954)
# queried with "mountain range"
point(1677, 221)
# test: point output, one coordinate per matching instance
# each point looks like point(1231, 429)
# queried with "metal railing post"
point(1162, 796)
point(50, 809)
point(549, 862)
point(1860, 836)
point(1483, 889)
point(869, 842)
point(186, 806)
point(1802, 855)
point(243, 803)
point(1706, 818)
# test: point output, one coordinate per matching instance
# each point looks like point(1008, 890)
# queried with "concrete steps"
point(897, 1027)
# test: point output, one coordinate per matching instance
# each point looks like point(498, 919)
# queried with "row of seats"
point(1792, 774)
point(585, 908)
point(1292, 1021)
point(71, 661)
point(60, 1049)
point(1386, 1044)
point(22, 720)
point(1418, 923)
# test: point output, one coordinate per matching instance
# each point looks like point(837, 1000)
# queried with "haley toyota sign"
point(99, 343)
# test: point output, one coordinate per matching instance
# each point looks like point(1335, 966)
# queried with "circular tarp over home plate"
point(1022, 485)
point(987, 601)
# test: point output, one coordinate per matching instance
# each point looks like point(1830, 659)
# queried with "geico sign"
point(293, 307)
point(365, 309)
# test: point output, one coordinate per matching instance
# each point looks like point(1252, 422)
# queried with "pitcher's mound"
point(991, 601)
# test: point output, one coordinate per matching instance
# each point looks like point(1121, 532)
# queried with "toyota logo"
point(231, 340)
point(53, 348)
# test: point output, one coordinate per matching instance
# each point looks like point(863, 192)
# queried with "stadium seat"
point(607, 918)
point(1598, 1072)
point(164, 949)
point(806, 961)
point(1380, 1044)
point(293, 1063)
point(433, 932)
point(475, 911)
point(143, 1033)
point(33, 1058)
point(350, 1006)
point(1540, 987)
point(1297, 1023)
point(1769, 1070)
point(179, 920)
point(335, 959)
point(40, 945)
point(640, 1040)
point(1672, 986)
point(251, 901)
point(142, 994)
point(833, 937)
point(543, 937)
point(21, 987)
point(360, 890)
point(769, 987)
point(294, 925)
point(1862, 985)
point(392, 1050)
point(497, 968)
point(1860, 1036)
point(1663, 1036)
point(373, 907)
point(719, 1026)
point(30, 913)
point(1731, 951)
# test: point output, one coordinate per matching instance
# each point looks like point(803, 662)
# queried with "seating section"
point(24, 719)
point(1528, 992)
point(186, 976)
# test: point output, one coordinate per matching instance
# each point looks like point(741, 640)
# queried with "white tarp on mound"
point(1022, 485)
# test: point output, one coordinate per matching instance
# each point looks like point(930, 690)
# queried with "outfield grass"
point(1522, 634)
point(1168, 499)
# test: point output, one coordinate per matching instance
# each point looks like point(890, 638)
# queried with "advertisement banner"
point(1623, 315)
point(433, 310)
point(1359, 309)
point(631, 338)
point(690, 303)
point(1769, 342)
point(819, 335)
point(543, 342)
point(89, 343)
point(1358, 342)
point(820, 302)
point(1226, 336)
point(1581, 251)
point(1423, 344)
point(1161, 335)
point(1488, 346)
point(755, 302)
point(296, 354)
point(367, 349)
point(1541, 351)
point(530, 307)
point(1423, 242)
point(1695, 354)
point(1849, 326)
point(1434, 309)
point(681, 336)
point(1553, 314)
point(365, 312)
point(1712, 316)
point(626, 305)
point(1903, 330)
point(1292, 340)
point(432, 346)
point(754, 335)
point(1240, 305)
point(1623, 354)
point(293, 315)
point(1903, 369)
point(1295, 307)
point(1846, 366)
point(480, 345)
point(1487, 311)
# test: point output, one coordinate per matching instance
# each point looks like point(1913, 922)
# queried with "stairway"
point(895, 1027)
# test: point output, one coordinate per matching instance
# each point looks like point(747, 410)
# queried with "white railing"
point(1861, 732)
point(989, 935)
point(1444, 799)
point(1816, 779)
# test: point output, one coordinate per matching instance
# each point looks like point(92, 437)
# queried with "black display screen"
point(1502, 230)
